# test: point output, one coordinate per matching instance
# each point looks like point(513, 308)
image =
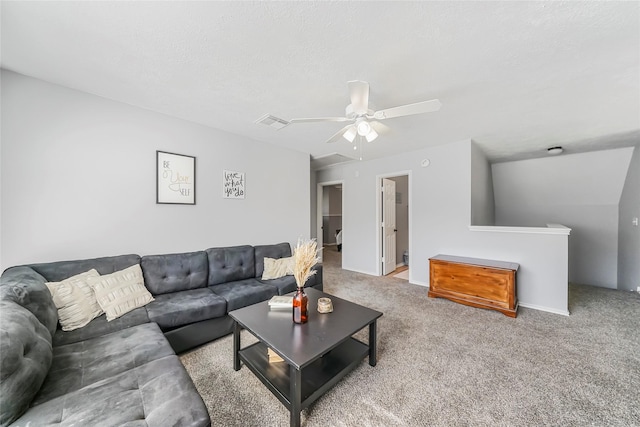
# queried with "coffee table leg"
point(236, 346)
point(372, 344)
point(295, 376)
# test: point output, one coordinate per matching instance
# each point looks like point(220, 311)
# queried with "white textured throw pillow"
point(75, 300)
point(276, 268)
point(121, 292)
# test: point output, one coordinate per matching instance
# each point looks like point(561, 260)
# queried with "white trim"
point(552, 229)
point(547, 309)
point(417, 282)
point(378, 229)
point(368, 273)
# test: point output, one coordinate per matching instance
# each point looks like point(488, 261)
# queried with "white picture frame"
point(233, 184)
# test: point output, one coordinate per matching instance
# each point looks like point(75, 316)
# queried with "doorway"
point(394, 224)
point(329, 217)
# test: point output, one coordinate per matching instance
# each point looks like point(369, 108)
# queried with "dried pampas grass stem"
point(305, 256)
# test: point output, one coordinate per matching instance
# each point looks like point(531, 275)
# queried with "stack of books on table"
point(281, 303)
point(273, 356)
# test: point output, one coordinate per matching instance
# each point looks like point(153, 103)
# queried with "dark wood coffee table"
point(316, 354)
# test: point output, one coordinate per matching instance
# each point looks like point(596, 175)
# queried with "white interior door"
point(388, 226)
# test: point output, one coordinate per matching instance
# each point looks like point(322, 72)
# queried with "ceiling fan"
point(365, 122)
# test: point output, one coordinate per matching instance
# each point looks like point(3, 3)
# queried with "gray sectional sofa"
point(126, 371)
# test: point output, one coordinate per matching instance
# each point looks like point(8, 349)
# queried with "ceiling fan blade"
point(359, 94)
point(338, 135)
point(320, 119)
point(380, 127)
point(409, 109)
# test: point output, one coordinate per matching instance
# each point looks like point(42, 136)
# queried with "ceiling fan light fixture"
point(371, 135)
point(350, 134)
point(364, 128)
point(363, 122)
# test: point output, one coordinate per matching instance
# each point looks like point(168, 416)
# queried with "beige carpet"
point(444, 364)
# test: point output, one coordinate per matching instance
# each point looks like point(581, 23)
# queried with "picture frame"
point(233, 184)
point(175, 178)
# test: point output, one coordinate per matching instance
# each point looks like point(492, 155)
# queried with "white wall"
point(439, 215)
point(78, 180)
point(482, 199)
point(580, 191)
point(629, 234)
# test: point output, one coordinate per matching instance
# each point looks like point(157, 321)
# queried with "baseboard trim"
point(359, 271)
point(541, 308)
point(419, 283)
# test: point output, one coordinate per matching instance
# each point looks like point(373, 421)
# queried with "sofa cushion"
point(284, 285)
point(75, 300)
point(78, 365)
point(25, 358)
point(276, 268)
point(100, 326)
point(280, 250)
point(164, 274)
point(27, 288)
point(244, 292)
point(58, 271)
point(315, 279)
point(288, 283)
point(120, 292)
point(181, 308)
point(158, 393)
point(231, 264)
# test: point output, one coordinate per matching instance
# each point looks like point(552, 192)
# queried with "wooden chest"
point(476, 282)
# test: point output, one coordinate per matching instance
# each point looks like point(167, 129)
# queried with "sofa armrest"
point(316, 279)
point(26, 287)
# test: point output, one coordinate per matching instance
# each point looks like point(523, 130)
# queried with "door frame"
point(378, 224)
point(319, 199)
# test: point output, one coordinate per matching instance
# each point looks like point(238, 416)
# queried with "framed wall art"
point(233, 185)
point(175, 178)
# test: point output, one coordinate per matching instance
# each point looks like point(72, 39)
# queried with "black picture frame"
point(175, 178)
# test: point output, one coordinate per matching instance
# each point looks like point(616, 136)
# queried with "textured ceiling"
point(516, 77)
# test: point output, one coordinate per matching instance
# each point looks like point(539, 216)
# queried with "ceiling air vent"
point(272, 121)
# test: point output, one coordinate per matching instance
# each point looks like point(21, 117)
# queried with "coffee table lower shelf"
point(317, 377)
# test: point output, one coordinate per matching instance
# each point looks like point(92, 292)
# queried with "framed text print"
point(233, 185)
point(175, 178)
